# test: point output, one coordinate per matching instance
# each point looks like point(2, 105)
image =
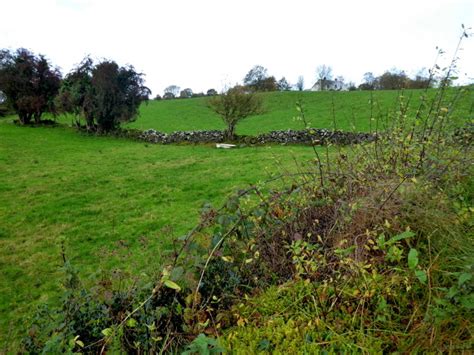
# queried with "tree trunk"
point(229, 134)
point(37, 117)
point(25, 118)
point(22, 118)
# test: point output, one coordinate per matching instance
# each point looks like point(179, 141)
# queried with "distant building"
point(330, 85)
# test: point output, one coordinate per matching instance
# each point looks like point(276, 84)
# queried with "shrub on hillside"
point(234, 106)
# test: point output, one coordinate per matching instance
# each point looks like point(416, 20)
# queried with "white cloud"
point(210, 43)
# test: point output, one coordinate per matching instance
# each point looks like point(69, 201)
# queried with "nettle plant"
point(366, 248)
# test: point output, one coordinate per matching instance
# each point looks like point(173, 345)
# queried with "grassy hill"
point(109, 200)
point(349, 110)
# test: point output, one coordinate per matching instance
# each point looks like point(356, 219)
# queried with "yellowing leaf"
point(80, 343)
point(107, 332)
point(173, 285)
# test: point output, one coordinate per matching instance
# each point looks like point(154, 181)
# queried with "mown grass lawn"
point(110, 201)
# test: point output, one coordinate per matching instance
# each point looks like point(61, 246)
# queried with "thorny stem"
point(444, 84)
point(319, 163)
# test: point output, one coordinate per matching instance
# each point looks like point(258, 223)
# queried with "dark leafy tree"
point(257, 79)
point(268, 84)
point(168, 96)
point(105, 94)
point(118, 93)
point(211, 92)
point(283, 85)
point(351, 86)
point(157, 97)
point(3, 105)
point(234, 106)
point(422, 80)
point(369, 82)
point(29, 83)
point(186, 93)
point(76, 95)
point(300, 83)
point(392, 80)
point(172, 89)
point(256, 74)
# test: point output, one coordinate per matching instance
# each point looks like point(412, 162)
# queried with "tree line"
point(258, 80)
point(103, 94)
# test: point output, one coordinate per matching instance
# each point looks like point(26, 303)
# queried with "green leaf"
point(381, 241)
point(421, 275)
point(463, 278)
point(177, 273)
point(453, 291)
point(467, 301)
point(413, 259)
point(107, 332)
point(172, 284)
point(131, 323)
point(401, 236)
point(263, 345)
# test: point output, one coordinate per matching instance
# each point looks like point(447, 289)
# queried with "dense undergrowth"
point(370, 250)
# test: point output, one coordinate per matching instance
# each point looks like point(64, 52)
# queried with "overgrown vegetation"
point(367, 251)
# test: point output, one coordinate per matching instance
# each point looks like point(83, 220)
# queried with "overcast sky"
point(205, 44)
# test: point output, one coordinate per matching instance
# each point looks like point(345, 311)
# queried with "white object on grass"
point(225, 146)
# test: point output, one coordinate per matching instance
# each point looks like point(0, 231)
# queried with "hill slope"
point(351, 110)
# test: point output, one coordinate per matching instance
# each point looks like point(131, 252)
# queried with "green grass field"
point(108, 199)
point(111, 200)
point(351, 110)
